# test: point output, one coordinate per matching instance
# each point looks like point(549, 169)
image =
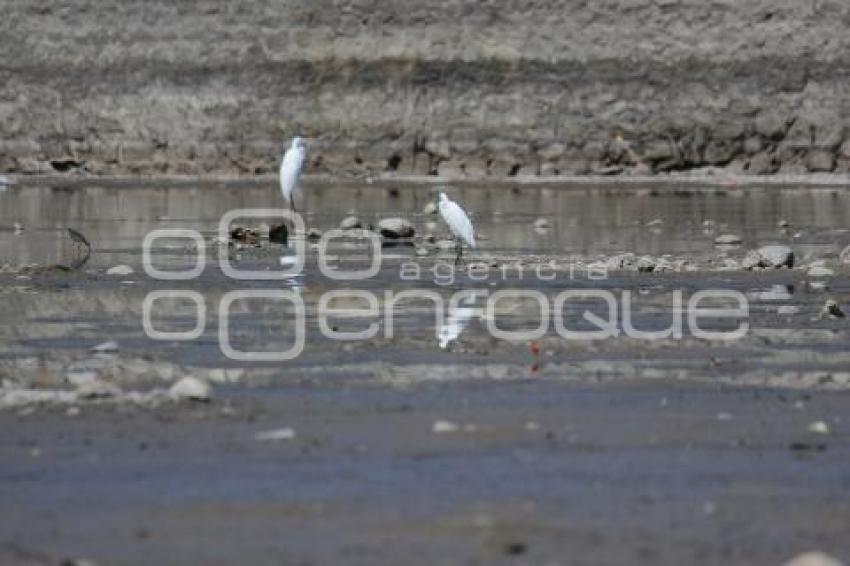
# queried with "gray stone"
point(191, 388)
point(394, 228)
point(646, 264)
point(727, 239)
point(773, 256)
point(350, 223)
point(820, 161)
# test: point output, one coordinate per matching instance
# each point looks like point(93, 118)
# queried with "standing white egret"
point(290, 170)
point(459, 224)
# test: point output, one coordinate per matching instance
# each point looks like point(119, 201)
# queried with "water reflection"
point(458, 317)
point(585, 221)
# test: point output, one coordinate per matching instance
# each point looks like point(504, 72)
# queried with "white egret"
point(290, 170)
point(459, 224)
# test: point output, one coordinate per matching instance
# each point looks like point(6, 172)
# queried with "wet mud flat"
point(438, 442)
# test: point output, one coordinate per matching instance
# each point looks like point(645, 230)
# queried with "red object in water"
point(534, 348)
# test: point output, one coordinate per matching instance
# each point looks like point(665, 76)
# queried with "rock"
point(820, 161)
point(542, 225)
point(727, 240)
point(421, 251)
point(191, 388)
point(279, 234)
point(120, 270)
point(819, 427)
point(314, 235)
point(108, 347)
point(646, 264)
point(350, 223)
point(814, 558)
point(787, 310)
point(831, 309)
point(431, 208)
point(275, 435)
point(774, 256)
point(441, 427)
point(445, 245)
point(820, 271)
point(395, 228)
point(763, 164)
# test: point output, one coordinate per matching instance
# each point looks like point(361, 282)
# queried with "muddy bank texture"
point(452, 87)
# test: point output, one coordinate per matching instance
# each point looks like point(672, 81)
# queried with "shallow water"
point(64, 314)
point(586, 221)
point(619, 450)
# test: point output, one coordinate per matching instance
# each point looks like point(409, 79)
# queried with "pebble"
point(774, 256)
point(191, 388)
point(646, 264)
point(814, 558)
point(441, 427)
point(350, 223)
point(727, 239)
point(275, 435)
point(542, 225)
point(431, 208)
point(395, 228)
point(120, 270)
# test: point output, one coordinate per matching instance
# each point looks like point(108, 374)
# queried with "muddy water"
point(617, 450)
point(596, 219)
point(585, 226)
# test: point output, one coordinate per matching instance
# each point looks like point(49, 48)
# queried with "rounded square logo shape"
point(155, 273)
point(275, 294)
point(201, 314)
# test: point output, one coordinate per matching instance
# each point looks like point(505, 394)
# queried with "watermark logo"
point(512, 314)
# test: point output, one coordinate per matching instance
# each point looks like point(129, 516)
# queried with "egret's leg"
point(459, 253)
point(293, 206)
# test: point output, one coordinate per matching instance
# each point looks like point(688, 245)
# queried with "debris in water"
point(819, 427)
point(814, 558)
point(441, 427)
point(728, 240)
point(108, 347)
point(276, 434)
point(121, 270)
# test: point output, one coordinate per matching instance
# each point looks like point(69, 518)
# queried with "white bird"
point(290, 170)
point(458, 222)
